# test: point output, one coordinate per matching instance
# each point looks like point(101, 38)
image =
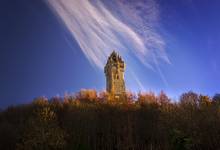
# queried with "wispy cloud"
point(128, 27)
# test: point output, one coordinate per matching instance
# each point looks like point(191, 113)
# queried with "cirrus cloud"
point(101, 26)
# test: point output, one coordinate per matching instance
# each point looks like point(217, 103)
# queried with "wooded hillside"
point(87, 121)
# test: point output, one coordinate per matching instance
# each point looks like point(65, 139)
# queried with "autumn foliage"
point(88, 120)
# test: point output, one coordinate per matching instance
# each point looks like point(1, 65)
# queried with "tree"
point(189, 98)
point(42, 131)
point(147, 98)
point(204, 101)
point(216, 99)
point(86, 95)
point(163, 99)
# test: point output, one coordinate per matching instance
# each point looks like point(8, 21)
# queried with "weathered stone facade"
point(114, 72)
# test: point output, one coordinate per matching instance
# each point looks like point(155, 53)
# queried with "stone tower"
point(114, 72)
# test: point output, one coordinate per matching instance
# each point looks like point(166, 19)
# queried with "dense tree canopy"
point(90, 121)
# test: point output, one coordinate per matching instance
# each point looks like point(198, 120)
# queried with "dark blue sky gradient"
point(38, 59)
point(35, 57)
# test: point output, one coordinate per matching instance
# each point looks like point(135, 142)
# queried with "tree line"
point(89, 120)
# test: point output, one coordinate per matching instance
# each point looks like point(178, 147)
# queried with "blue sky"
point(50, 47)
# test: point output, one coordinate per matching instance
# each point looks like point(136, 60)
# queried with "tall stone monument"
point(114, 72)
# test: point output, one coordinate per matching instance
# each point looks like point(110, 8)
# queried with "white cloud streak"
point(98, 29)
